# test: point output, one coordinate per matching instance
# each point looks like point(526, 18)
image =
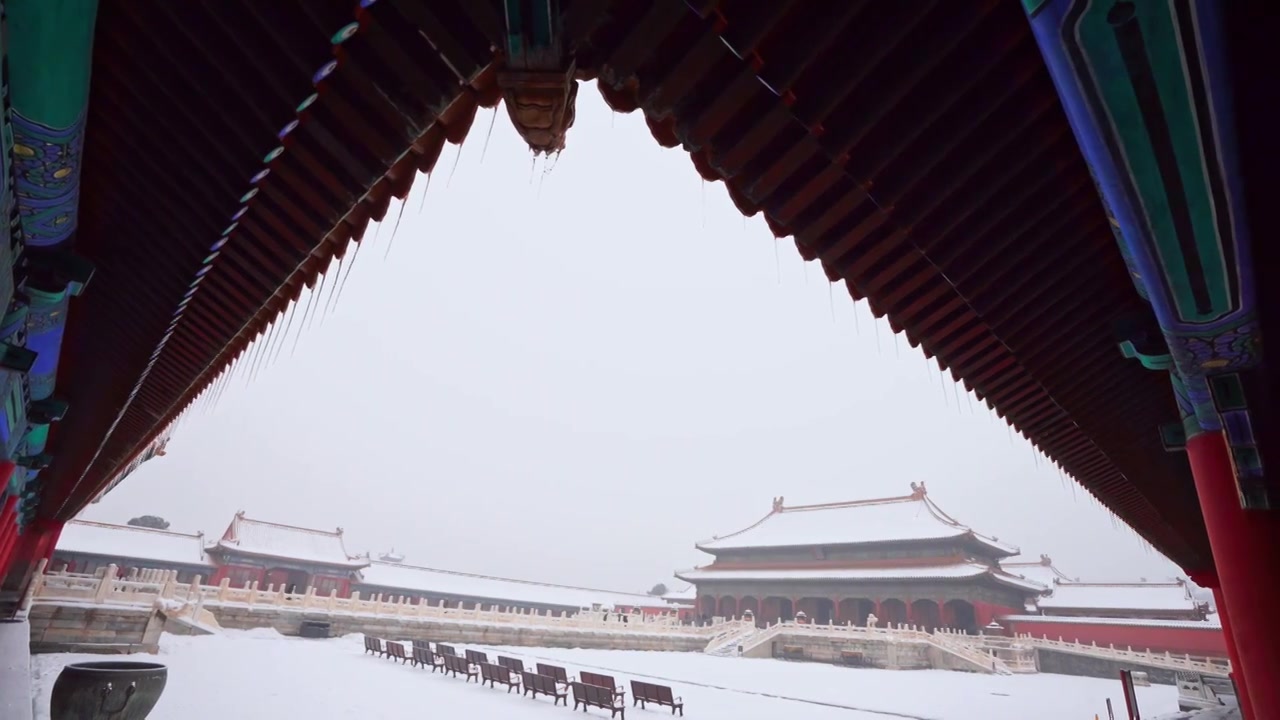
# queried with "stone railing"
point(966, 647)
point(161, 587)
point(1168, 661)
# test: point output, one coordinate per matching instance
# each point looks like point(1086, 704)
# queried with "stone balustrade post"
point(223, 588)
point(105, 585)
point(253, 593)
point(193, 588)
point(195, 614)
point(333, 601)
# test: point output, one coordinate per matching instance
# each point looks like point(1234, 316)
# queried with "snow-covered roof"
point(1148, 596)
point(267, 539)
point(136, 543)
point(1041, 571)
point(896, 519)
point(934, 572)
point(459, 584)
point(688, 594)
point(1211, 623)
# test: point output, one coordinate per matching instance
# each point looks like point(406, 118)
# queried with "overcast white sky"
point(573, 375)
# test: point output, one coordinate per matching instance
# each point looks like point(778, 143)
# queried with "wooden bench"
point(597, 696)
point(494, 674)
point(395, 651)
point(546, 685)
point(421, 644)
point(475, 657)
point(554, 671)
point(605, 681)
point(374, 645)
point(511, 663)
point(424, 657)
point(644, 693)
point(454, 664)
point(443, 649)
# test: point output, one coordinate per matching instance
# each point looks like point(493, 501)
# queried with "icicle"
point(955, 390)
point(897, 346)
point(311, 296)
point(942, 385)
point(875, 322)
point(533, 167)
point(423, 203)
point(292, 310)
point(968, 397)
point(831, 301)
point(255, 349)
point(704, 204)
point(272, 353)
point(777, 260)
point(318, 292)
point(329, 303)
point(268, 336)
point(342, 282)
point(857, 324)
point(394, 228)
point(492, 120)
point(456, 158)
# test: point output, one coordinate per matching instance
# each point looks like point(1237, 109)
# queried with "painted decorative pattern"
point(1144, 88)
point(46, 168)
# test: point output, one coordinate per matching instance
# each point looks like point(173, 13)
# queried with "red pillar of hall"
point(1242, 687)
point(1246, 551)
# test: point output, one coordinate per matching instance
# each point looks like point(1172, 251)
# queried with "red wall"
point(1157, 639)
point(239, 574)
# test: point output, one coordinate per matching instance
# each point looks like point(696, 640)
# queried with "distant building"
point(901, 559)
point(469, 590)
point(284, 556)
point(1069, 597)
point(86, 547)
point(392, 556)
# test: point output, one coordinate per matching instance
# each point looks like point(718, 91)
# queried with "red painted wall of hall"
point(1191, 641)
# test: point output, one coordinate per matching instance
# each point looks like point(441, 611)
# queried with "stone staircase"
point(969, 653)
point(736, 633)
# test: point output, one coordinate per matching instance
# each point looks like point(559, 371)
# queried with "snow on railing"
point(150, 587)
point(1166, 660)
point(963, 646)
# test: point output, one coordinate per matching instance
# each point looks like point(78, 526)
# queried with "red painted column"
point(1242, 687)
point(8, 535)
point(1247, 556)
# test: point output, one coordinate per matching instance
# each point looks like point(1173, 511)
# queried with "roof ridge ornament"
point(777, 504)
point(918, 491)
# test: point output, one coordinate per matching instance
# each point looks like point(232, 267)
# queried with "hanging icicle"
point(423, 203)
point(319, 291)
point(493, 119)
point(324, 313)
point(291, 309)
point(457, 156)
point(391, 243)
point(311, 296)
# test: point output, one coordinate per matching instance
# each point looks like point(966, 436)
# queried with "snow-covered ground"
point(259, 675)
